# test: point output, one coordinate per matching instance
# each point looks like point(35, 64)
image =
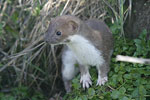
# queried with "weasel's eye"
point(58, 33)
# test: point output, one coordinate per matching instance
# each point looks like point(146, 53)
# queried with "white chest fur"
point(84, 51)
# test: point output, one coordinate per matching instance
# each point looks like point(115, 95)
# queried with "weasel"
point(87, 43)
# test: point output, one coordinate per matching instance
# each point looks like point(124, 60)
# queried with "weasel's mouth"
point(52, 43)
point(51, 40)
point(55, 43)
point(66, 40)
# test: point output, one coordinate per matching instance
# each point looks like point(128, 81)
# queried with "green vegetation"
point(30, 69)
point(22, 93)
point(127, 81)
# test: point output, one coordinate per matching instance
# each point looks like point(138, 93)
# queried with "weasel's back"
point(98, 25)
point(104, 32)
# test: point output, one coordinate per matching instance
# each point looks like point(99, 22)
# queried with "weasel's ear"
point(73, 25)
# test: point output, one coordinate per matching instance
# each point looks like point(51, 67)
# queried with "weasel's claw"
point(101, 81)
point(86, 81)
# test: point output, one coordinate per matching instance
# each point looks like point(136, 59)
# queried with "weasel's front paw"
point(101, 81)
point(86, 80)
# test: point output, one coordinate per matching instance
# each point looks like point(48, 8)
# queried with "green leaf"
point(120, 79)
point(84, 97)
point(137, 41)
point(143, 34)
point(135, 93)
point(116, 69)
point(125, 48)
point(75, 80)
point(115, 94)
point(91, 91)
point(76, 98)
point(142, 90)
point(128, 76)
point(124, 98)
point(79, 98)
point(122, 90)
point(76, 84)
point(128, 68)
point(114, 79)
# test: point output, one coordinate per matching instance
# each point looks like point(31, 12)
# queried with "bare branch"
point(132, 59)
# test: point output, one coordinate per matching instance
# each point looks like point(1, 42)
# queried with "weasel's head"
point(61, 28)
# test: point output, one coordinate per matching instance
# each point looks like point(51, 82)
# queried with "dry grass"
point(32, 61)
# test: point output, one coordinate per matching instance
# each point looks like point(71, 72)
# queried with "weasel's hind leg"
point(68, 69)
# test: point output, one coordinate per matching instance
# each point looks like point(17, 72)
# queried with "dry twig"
point(132, 59)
